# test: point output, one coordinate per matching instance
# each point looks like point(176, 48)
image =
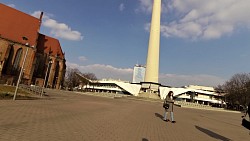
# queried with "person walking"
point(169, 107)
point(247, 111)
point(245, 122)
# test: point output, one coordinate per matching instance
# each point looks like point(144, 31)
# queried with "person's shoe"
point(173, 121)
point(166, 120)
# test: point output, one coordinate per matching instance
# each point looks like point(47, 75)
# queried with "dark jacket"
point(171, 104)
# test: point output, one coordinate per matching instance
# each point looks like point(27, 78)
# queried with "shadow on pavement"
point(159, 115)
point(212, 134)
point(144, 139)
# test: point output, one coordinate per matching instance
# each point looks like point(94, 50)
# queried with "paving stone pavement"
point(69, 116)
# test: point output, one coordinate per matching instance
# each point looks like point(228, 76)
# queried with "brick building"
point(20, 37)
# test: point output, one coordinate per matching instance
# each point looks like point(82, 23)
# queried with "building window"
point(17, 60)
point(8, 62)
point(39, 67)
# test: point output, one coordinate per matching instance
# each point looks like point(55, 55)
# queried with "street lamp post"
point(21, 73)
point(46, 74)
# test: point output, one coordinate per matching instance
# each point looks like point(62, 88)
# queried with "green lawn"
point(7, 92)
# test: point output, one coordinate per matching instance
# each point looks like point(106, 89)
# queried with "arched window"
point(17, 60)
point(56, 75)
point(8, 62)
point(39, 67)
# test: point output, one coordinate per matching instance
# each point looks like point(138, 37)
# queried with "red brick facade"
point(19, 34)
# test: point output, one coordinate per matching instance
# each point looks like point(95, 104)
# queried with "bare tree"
point(71, 80)
point(90, 76)
point(238, 89)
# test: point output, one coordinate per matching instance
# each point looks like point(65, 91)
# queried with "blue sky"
point(202, 42)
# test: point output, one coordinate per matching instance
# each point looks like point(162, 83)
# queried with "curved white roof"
point(133, 89)
point(177, 91)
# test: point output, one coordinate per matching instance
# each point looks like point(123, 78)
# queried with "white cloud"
point(60, 30)
point(11, 5)
point(121, 7)
point(183, 80)
point(105, 71)
point(145, 6)
point(196, 19)
point(126, 74)
point(211, 19)
point(82, 58)
point(45, 16)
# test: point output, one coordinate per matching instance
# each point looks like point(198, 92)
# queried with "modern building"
point(113, 86)
point(192, 93)
point(139, 73)
point(195, 94)
point(23, 46)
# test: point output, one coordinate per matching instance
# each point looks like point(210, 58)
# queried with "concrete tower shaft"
point(152, 66)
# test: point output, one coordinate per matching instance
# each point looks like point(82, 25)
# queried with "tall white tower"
point(152, 66)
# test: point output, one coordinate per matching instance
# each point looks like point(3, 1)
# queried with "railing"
point(106, 94)
point(34, 89)
point(190, 104)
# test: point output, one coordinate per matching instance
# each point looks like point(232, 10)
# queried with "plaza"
point(64, 116)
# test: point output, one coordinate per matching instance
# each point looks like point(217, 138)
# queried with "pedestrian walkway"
point(69, 116)
point(177, 103)
point(202, 107)
point(103, 94)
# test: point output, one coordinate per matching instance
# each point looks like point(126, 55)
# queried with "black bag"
point(165, 105)
point(245, 123)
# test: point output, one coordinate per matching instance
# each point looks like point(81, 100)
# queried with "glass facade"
point(139, 73)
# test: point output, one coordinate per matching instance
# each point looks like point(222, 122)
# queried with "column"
point(152, 66)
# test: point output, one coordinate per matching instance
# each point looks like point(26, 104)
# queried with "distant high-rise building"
point(139, 73)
